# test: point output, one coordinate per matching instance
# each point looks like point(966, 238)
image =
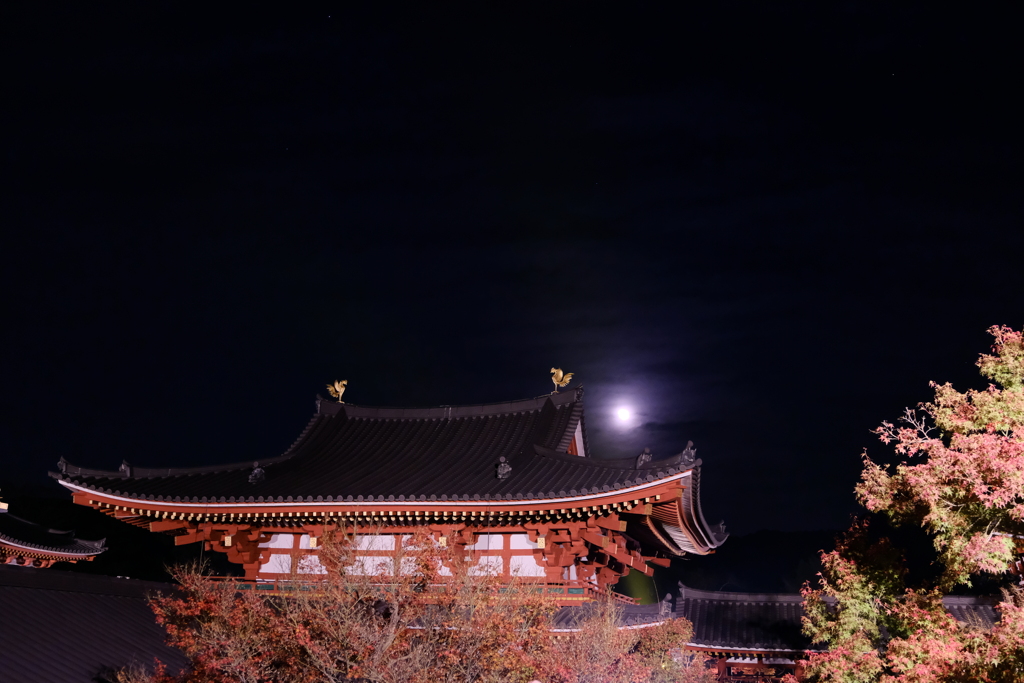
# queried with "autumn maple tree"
point(960, 478)
point(428, 614)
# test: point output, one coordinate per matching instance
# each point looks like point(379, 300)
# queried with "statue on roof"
point(559, 378)
point(643, 458)
point(689, 454)
point(258, 474)
point(503, 468)
point(337, 389)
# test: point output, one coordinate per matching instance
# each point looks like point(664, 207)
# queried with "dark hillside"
point(762, 562)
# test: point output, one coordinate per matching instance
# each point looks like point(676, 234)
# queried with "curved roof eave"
point(576, 500)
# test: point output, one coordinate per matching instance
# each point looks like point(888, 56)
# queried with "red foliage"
point(961, 478)
point(434, 620)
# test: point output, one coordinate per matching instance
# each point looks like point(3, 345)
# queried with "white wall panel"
point(278, 564)
point(375, 543)
point(372, 566)
point(279, 541)
point(486, 566)
point(525, 565)
point(488, 542)
point(310, 564)
point(521, 542)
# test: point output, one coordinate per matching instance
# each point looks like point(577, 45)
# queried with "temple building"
point(514, 484)
point(27, 544)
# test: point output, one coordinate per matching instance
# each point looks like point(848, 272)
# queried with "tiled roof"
point(29, 535)
point(755, 622)
point(629, 615)
point(63, 627)
point(972, 610)
point(743, 620)
point(766, 621)
point(355, 453)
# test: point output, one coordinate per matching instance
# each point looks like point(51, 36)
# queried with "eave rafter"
point(510, 513)
point(594, 525)
point(8, 551)
point(144, 516)
point(602, 535)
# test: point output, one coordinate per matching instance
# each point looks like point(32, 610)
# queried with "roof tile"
point(64, 627)
point(404, 454)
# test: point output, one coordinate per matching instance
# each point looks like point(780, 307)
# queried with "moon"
point(623, 414)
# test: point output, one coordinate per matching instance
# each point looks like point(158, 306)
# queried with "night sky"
point(760, 226)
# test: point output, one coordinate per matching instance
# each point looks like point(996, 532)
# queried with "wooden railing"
point(564, 592)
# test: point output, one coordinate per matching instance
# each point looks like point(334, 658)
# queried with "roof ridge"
point(447, 411)
point(80, 582)
point(949, 600)
point(619, 463)
point(328, 409)
point(687, 592)
point(69, 471)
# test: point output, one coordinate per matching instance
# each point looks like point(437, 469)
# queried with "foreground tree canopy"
point(438, 619)
point(959, 477)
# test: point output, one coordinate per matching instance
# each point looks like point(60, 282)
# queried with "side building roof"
point(753, 623)
point(65, 627)
point(35, 539)
point(771, 622)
